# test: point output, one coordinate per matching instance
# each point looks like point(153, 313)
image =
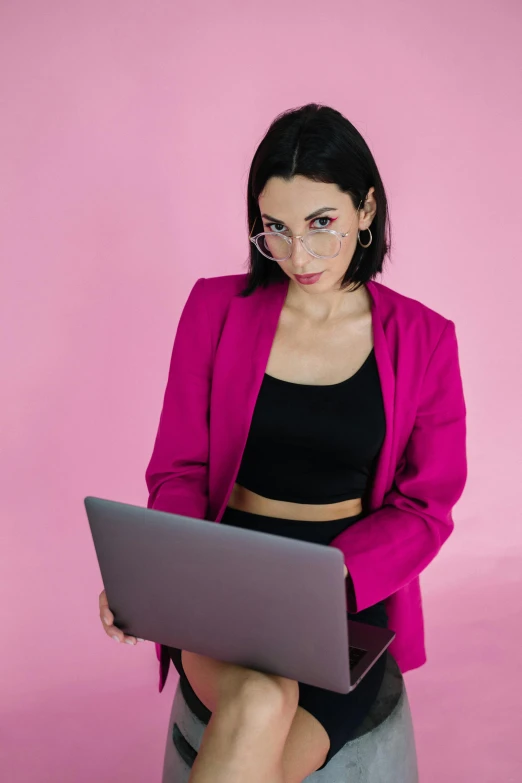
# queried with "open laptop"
point(267, 602)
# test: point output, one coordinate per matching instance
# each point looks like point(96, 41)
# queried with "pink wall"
point(126, 135)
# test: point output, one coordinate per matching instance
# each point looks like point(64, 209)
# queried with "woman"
point(304, 399)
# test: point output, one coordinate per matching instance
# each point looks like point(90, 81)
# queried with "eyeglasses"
point(320, 242)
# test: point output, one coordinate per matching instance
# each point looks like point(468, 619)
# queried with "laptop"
point(267, 602)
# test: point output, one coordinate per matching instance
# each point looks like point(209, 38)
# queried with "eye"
point(282, 225)
point(322, 218)
point(268, 225)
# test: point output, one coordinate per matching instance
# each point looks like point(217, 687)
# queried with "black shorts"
point(339, 713)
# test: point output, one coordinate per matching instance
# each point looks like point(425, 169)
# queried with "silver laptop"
point(267, 602)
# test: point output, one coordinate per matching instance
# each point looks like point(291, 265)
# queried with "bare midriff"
point(244, 499)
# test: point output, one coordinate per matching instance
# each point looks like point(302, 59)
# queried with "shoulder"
point(406, 307)
point(215, 296)
point(223, 287)
point(406, 317)
point(217, 293)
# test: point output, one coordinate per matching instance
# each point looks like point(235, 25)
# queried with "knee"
point(266, 697)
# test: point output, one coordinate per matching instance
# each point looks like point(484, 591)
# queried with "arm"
point(177, 477)
point(352, 605)
point(393, 544)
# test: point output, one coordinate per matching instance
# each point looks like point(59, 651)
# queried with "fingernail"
point(141, 640)
point(129, 641)
point(116, 638)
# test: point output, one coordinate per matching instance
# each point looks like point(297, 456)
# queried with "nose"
point(300, 257)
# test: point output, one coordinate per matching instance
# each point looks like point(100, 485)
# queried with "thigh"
point(306, 748)
point(203, 675)
point(341, 713)
point(215, 682)
point(307, 744)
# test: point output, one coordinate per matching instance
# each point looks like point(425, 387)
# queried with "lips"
point(313, 278)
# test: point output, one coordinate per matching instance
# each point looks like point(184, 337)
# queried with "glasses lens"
point(274, 247)
point(322, 244)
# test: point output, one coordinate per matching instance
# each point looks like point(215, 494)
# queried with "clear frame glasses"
point(319, 242)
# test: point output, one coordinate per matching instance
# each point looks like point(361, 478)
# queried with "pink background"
point(126, 135)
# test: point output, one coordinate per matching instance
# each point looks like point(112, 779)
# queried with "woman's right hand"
point(107, 618)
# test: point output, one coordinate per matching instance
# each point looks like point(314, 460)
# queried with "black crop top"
point(315, 444)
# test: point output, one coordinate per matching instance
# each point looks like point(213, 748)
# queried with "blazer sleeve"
point(392, 544)
point(177, 474)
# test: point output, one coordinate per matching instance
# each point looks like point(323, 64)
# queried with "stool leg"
point(179, 755)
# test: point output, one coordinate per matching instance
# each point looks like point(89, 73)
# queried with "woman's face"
point(300, 205)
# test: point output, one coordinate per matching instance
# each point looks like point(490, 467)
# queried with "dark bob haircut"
point(317, 142)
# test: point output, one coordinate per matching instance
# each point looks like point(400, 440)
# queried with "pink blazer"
point(218, 361)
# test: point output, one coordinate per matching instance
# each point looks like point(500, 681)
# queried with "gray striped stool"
point(382, 750)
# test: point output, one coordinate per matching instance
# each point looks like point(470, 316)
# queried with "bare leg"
point(246, 735)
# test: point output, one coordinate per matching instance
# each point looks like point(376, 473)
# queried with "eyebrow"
point(308, 217)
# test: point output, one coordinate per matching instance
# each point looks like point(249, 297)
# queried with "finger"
point(119, 636)
point(116, 634)
point(130, 640)
point(107, 617)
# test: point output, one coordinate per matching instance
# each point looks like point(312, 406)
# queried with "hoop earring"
point(359, 238)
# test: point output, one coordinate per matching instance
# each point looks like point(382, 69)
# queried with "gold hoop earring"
point(359, 238)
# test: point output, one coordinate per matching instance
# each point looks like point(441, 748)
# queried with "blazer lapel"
point(383, 471)
point(239, 367)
